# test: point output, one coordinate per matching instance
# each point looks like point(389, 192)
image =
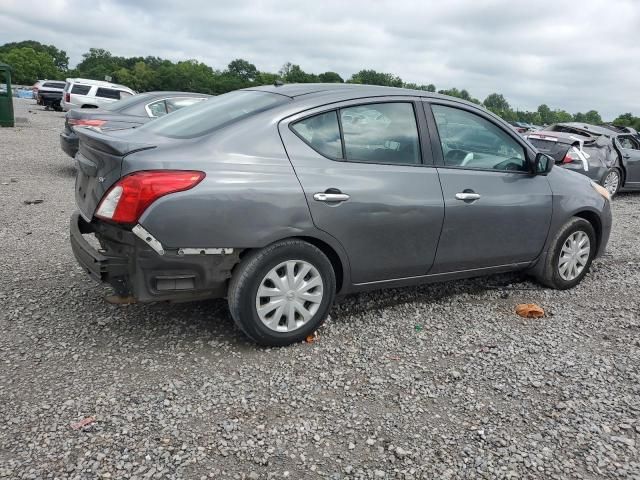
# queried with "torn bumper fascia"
point(136, 264)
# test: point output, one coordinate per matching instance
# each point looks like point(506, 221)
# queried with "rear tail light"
point(571, 157)
point(127, 200)
point(67, 97)
point(79, 122)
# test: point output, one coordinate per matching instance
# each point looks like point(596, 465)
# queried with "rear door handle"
point(467, 196)
point(331, 197)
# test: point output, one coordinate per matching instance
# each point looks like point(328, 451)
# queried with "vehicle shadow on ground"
point(210, 320)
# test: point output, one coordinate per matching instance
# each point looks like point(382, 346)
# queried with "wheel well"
point(327, 249)
point(594, 220)
point(331, 255)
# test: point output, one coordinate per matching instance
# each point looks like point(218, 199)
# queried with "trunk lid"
point(556, 144)
point(99, 165)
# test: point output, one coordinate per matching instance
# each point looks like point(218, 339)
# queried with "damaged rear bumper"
point(134, 267)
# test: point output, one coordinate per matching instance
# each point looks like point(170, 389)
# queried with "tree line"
point(30, 60)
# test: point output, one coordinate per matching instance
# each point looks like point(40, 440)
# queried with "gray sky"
point(568, 54)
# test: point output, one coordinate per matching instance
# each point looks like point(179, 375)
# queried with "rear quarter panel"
point(249, 198)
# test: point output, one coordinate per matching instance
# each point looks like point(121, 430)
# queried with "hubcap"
point(574, 255)
point(289, 295)
point(612, 181)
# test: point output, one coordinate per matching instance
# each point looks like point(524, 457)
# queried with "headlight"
point(601, 190)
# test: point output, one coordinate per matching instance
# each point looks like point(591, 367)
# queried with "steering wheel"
point(468, 157)
point(455, 157)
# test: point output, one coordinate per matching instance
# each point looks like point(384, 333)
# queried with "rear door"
point(496, 213)
point(370, 183)
point(630, 150)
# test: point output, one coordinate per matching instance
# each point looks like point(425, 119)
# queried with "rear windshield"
point(215, 113)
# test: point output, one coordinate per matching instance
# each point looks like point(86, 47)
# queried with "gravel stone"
point(176, 391)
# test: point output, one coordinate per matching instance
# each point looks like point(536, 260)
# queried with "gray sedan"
point(280, 198)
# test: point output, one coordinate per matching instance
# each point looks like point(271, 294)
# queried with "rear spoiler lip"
point(102, 142)
point(567, 138)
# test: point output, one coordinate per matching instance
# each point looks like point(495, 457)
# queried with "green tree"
point(546, 115)
point(245, 71)
point(330, 77)
point(593, 117)
point(497, 103)
point(60, 58)
point(371, 77)
point(29, 66)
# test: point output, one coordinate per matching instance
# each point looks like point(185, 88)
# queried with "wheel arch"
point(329, 246)
point(595, 221)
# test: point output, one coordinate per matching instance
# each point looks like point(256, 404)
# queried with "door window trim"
point(418, 113)
point(436, 146)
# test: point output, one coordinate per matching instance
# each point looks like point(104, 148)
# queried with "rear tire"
point(297, 286)
point(571, 252)
point(612, 181)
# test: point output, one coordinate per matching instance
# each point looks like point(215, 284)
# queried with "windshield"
point(122, 104)
point(215, 113)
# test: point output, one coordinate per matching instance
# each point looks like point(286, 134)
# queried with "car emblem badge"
point(101, 179)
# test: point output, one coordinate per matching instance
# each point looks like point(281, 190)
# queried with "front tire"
point(571, 253)
point(281, 294)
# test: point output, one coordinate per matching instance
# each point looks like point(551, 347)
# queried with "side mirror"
point(542, 164)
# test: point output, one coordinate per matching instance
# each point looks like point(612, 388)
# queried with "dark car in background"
point(280, 198)
point(606, 154)
point(131, 112)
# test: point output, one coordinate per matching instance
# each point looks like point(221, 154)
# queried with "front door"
point(630, 149)
point(361, 167)
point(496, 212)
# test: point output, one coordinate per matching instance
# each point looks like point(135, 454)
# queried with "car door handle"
point(466, 196)
point(627, 156)
point(331, 197)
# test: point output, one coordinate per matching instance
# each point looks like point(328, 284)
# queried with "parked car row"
point(608, 155)
point(281, 197)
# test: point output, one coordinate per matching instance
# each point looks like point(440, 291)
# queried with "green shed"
point(6, 97)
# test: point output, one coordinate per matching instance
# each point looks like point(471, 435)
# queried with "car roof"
point(100, 83)
point(350, 90)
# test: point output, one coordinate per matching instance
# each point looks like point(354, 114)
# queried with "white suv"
point(85, 93)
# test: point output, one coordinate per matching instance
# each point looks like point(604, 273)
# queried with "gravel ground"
point(434, 382)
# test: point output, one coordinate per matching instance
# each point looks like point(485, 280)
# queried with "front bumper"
point(69, 143)
point(133, 268)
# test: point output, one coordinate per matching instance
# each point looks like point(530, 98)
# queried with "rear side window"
point(220, 111)
point(374, 133)
point(381, 133)
point(322, 133)
point(81, 89)
point(177, 103)
point(108, 93)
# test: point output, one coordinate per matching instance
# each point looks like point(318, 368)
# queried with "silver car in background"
point(280, 198)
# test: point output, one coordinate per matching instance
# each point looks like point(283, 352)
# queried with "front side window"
point(381, 133)
point(108, 93)
point(80, 89)
point(470, 141)
point(322, 133)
